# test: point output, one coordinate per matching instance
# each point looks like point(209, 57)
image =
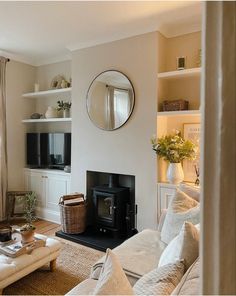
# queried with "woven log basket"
point(73, 217)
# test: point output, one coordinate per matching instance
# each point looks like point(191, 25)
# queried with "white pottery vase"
point(51, 112)
point(175, 174)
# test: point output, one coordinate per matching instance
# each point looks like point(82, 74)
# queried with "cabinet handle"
point(42, 176)
point(45, 177)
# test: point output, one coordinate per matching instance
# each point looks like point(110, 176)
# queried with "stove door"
point(105, 208)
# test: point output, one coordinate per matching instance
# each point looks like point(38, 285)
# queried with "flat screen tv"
point(48, 150)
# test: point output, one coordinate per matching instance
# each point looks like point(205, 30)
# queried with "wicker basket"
point(73, 217)
point(176, 105)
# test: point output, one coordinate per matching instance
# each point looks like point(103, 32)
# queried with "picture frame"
point(181, 63)
point(192, 132)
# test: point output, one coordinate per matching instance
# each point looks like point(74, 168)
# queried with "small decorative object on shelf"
point(27, 230)
point(64, 107)
point(36, 116)
point(36, 87)
point(176, 105)
point(174, 149)
point(60, 82)
point(181, 63)
point(51, 112)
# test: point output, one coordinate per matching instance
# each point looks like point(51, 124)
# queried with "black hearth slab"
point(92, 239)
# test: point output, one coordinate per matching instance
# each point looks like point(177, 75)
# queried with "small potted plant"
point(65, 107)
point(174, 149)
point(27, 230)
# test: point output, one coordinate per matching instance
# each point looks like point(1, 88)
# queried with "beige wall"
point(126, 150)
point(20, 79)
point(184, 45)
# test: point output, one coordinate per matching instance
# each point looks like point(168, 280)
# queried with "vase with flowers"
point(174, 149)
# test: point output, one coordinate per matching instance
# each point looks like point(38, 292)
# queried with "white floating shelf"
point(179, 113)
point(47, 92)
point(180, 73)
point(46, 120)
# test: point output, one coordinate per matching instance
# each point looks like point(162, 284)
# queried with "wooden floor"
point(42, 226)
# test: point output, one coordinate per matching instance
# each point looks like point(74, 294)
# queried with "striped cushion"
point(160, 281)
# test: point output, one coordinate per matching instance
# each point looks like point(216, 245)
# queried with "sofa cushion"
point(160, 281)
point(112, 280)
point(192, 191)
point(138, 255)
point(184, 246)
point(190, 283)
point(181, 208)
point(84, 288)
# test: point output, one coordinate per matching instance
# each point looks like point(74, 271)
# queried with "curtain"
point(218, 202)
point(3, 138)
point(110, 108)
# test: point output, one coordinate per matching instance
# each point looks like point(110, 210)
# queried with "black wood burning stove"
point(110, 209)
point(111, 205)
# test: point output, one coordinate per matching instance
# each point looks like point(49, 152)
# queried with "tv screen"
point(51, 150)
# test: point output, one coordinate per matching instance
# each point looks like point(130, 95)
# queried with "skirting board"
point(48, 215)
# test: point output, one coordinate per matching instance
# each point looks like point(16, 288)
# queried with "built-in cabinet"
point(49, 185)
point(165, 192)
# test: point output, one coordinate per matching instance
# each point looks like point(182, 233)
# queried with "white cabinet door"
point(56, 186)
point(49, 187)
point(34, 181)
point(165, 193)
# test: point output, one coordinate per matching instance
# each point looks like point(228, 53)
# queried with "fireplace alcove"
point(111, 211)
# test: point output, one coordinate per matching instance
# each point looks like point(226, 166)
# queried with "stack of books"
point(16, 248)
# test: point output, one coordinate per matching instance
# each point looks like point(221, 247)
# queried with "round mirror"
point(110, 100)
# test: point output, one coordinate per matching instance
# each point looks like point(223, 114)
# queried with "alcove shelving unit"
point(41, 105)
point(176, 84)
point(173, 85)
point(49, 184)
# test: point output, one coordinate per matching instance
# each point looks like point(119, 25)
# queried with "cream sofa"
point(146, 249)
point(139, 255)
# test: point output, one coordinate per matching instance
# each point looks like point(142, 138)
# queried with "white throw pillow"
point(181, 208)
point(184, 246)
point(192, 191)
point(160, 281)
point(112, 279)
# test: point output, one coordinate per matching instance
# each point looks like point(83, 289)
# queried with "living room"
point(142, 47)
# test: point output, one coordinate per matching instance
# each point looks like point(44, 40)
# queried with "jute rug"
point(73, 266)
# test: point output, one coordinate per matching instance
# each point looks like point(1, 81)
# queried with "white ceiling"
point(41, 32)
